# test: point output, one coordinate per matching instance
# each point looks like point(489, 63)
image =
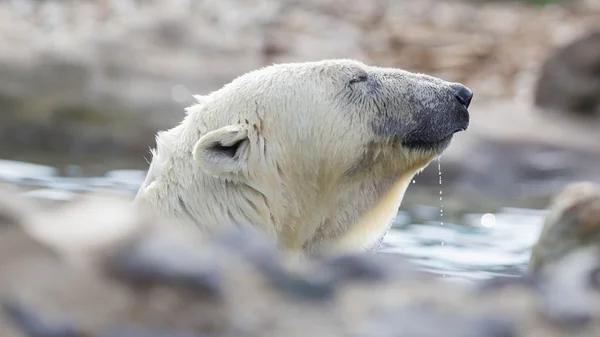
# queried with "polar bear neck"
point(370, 227)
point(366, 212)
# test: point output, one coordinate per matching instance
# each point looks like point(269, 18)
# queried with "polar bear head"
point(316, 154)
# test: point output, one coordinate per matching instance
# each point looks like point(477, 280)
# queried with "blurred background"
point(85, 85)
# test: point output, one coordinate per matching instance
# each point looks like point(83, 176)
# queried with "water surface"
point(469, 245)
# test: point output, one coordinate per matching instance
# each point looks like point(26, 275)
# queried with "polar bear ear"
point(222, 152)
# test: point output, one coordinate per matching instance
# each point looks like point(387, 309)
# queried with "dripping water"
point(441, 197)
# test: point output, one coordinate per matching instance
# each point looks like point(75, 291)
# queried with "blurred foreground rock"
point(95, 267)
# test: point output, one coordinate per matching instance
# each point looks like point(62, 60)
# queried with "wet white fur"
point(291, 178)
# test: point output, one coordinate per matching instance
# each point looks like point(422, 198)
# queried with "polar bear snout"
point(463, 94)
point(433, 129)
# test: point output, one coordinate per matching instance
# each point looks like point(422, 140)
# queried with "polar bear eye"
point(359, 78)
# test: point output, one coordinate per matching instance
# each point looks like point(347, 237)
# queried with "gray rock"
point(570, 78)
point(138, 276)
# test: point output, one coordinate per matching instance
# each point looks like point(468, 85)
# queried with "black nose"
point(463, 95)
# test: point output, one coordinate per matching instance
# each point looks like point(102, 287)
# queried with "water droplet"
point(441, 198)
point(488, 220)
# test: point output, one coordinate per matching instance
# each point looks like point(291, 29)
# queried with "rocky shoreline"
point(131, 274)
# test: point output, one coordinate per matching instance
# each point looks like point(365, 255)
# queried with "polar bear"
point(317, 155)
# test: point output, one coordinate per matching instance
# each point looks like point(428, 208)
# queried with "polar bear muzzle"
point(433, 129)
point(422, 112)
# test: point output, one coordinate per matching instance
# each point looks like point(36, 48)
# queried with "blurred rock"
point(51, 197)
point(572, 223)
point(97, 267)
point(570, 78)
